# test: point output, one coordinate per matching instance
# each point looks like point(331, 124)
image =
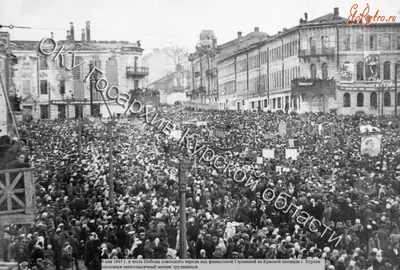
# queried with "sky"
point(166, 23)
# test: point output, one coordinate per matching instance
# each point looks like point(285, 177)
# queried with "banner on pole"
point(268, 153)
point(371, 145)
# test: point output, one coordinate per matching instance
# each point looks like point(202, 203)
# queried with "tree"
point(177, 54)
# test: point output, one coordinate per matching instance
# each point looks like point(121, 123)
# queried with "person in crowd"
point(355, 196)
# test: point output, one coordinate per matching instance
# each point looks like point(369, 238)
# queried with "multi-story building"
point(174, 86)
point(50, 89)
point(319, 65)
point(204, 70)
point(162, 62)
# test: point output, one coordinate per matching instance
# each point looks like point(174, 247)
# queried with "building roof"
point(29, 45)
point(228, 49)
point(326, 19)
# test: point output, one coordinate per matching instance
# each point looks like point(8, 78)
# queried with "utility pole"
point(183, 166)
point(110, 162)
point(396, 65)
point(80, 131)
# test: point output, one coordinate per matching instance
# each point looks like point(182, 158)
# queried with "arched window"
point(346, 100)
point(313, 71)
point(386, 70)
point(324, 69)
point(373, 100)
point(360, 71)
point(360, 100)
point(386, 99)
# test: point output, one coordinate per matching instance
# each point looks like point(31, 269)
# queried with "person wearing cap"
point(67, 258)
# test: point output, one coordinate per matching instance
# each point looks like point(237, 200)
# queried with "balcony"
point(317, 53)
point(211, 72)
point(313, 86)
point(137, 72)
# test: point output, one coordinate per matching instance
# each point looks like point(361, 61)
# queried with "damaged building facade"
point(49, 89)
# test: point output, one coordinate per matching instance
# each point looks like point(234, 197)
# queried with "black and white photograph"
point(199, 134)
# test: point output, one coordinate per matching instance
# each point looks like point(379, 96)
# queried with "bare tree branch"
point(177, 54)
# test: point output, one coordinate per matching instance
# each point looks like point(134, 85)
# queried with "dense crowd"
point(356, 195)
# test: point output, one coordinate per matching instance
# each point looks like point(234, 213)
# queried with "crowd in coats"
point(357, 196)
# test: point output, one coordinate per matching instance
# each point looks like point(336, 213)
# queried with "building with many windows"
point(51, 88)
point(320, 65)
point(174, 86)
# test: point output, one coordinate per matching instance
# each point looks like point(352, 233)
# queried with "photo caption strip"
point(214, 264)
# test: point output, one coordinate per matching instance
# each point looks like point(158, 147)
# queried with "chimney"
point(52, 35)
point(68, 35)
point(336, 11)
point(239, 34)
point(306, 16)
point(88, 31)
point(71, 27)
point(256, 29)
point(83, 34)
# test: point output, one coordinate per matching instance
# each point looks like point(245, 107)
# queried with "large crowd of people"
point(357, 196)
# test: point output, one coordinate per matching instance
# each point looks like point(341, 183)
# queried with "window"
point(274, 103)
point(266, 103)
point(385, 42)
point(372, 42)
point(324, 69)
point(398, 43)
point(398, 99)
point(346, 100)
point(360, 71)
point(62, 111)
point(360, 100)
point(324, 43)
point(386, 99)
point(295, 103)
point(346, 43)
point(44, 111)
point(136, 84)
point(43, 62)
point(286, 101)
point(43, 87)
point(313, 47)
point(279, 103)
point(252, 104)
point(373, 100)
point(313, 71)
point(386, 70)
point(62, 87)
point(360, 42)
